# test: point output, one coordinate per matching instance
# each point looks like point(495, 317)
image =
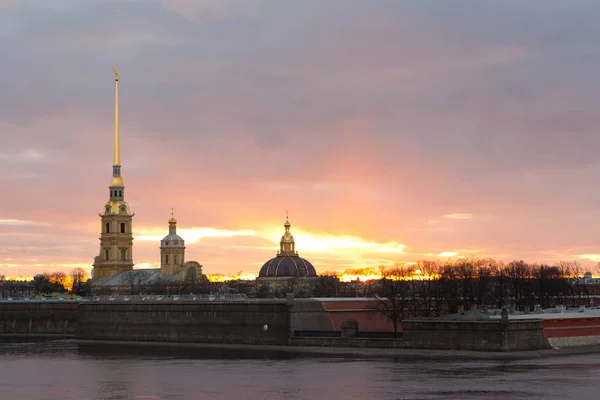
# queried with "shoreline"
point(322, 351)
point(359, 352)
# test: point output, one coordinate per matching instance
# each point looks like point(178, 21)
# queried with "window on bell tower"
point(107, 254)
point(107, 227)
point(175, 261)
point(167, 259)
point(122, 227)
point(123, 254)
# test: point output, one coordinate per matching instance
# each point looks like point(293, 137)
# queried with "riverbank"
point(359, 353)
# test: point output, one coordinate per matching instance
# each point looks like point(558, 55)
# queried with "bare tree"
point(79, 276)
point(134, 281)
point(326, 286)
point(424, 288)
point(393, 295)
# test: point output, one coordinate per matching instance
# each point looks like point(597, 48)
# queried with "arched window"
point(167, 259)
point(175, 261)
point(107, 254)
point(123, 254)
point(122, 227)
point(107, 227)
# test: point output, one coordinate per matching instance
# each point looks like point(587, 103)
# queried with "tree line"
point(48, 282)
point(432, 289)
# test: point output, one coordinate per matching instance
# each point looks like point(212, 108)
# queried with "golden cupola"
point(287, 245)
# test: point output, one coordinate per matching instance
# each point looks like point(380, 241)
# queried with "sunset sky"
point(391, 130)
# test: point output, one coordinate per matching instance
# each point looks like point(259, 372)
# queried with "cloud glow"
point(190, 235)
point(18, 222)
point(447, 254)
point(592, 257)
point(458, 216)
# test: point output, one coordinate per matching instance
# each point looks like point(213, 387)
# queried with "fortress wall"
point(202, 321)
point(310, 315)
point(38, 317)
point(475, 335)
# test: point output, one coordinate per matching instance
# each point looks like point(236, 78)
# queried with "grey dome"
point(172, 240)
point(287, 265)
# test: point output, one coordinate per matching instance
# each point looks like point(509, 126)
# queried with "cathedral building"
point(113, 267)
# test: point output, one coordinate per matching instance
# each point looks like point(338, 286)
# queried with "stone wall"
point(310, 315)
point(202, 321)
point(475, 335)
point(39, 317)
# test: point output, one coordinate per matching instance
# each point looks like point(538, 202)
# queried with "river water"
point(68, 371)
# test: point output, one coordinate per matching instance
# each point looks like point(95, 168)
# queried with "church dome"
point(287, 262)
point(287, 266)
point(172, 240)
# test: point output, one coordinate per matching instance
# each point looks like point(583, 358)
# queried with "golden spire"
point(116, 180)
point(172, 221)
point(117, 156)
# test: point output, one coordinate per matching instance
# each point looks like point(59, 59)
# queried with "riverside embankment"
point(278, 322)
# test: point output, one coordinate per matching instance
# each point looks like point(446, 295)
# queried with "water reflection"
point(65, 370)
point(199, 353)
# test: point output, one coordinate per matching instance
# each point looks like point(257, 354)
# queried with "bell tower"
point(116, 237)
point(172, 250)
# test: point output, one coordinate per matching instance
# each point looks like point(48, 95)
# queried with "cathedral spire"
point(117, 155)
point(117, 189)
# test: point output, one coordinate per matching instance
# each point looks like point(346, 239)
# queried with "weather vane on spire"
point(286, 214)
point(172, 210)
point(116, 71)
